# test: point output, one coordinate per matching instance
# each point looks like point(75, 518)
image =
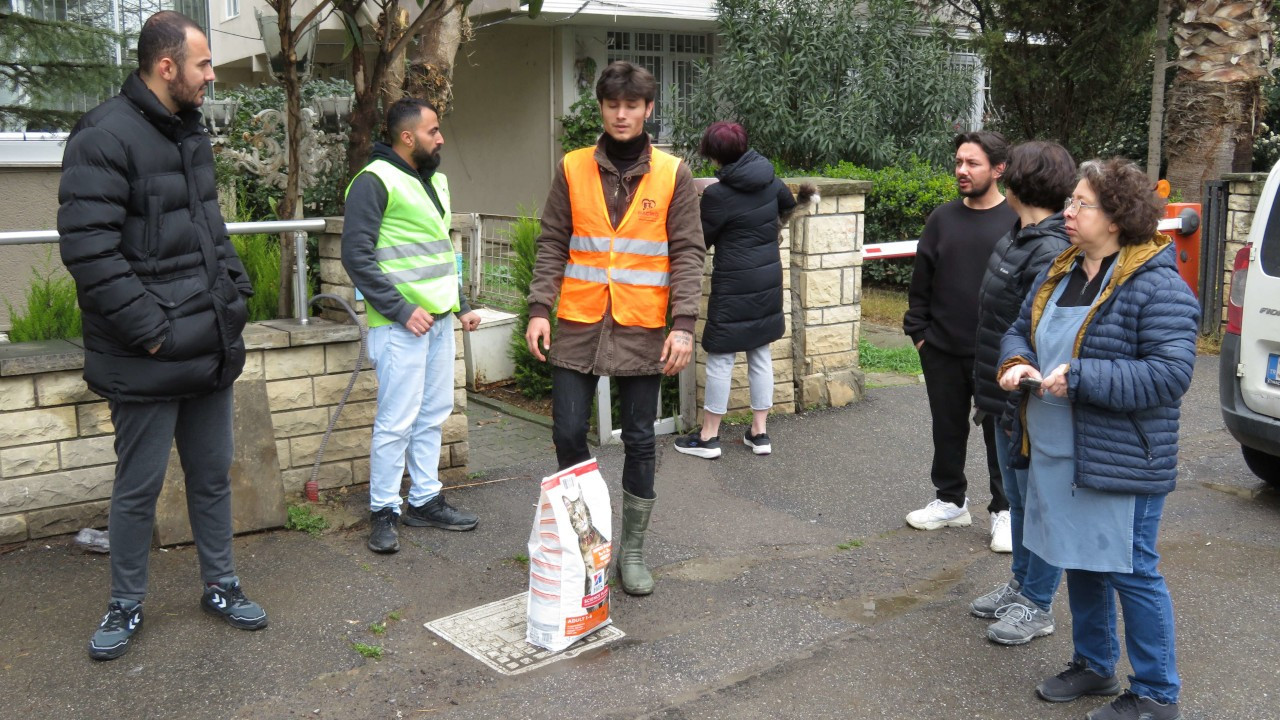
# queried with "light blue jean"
point(1037, 579)
point(415, 397)
point(1148, 613)
point(720, 379)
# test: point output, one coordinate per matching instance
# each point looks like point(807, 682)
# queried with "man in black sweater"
point(942, 321)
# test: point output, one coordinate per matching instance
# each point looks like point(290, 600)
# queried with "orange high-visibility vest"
point(625, 268)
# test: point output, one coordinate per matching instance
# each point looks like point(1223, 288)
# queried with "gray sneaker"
point(111, 639)
point(1135, 707)
point(987, 605)
point(1020, 622)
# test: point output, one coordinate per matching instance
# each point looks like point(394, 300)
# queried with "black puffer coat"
point(740, 220)
point(1015, 262)
point(142, 235)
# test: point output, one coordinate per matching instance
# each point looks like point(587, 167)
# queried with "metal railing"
point(298, 228)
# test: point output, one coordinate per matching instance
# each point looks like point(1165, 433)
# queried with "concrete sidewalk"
point(788, 587)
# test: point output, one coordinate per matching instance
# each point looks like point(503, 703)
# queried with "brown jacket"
point(606, 348)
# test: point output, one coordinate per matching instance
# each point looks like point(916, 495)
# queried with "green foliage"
point(899, 203)
point(901, 360)
point(256, 200)
point(59, 67)
point(816, 82)
point(51, 312)
point(1077, 72)
point(378, 628)
point(303, 518)
point(532, 376)
point(372, 652)
point(261, 257)
point(581, 126)
point(850, 545)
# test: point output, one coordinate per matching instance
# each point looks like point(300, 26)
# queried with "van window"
point(1271, 242)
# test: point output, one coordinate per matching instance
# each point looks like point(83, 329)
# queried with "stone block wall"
point(57, 457)
point(1243, 192)
point(816, 361)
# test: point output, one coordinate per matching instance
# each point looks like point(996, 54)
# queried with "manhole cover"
point(494, 634)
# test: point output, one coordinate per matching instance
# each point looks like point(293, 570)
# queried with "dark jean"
point(1037, 579)
point(202, 428)
point(948, 380)
point(571, 396)
point(1148, 613)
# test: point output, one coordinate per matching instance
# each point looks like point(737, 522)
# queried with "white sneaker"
point(1001, 533)
point(940, 514)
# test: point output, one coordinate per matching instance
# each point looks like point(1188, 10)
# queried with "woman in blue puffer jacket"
point(1109, 333)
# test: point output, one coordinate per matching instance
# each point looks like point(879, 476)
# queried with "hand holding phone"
point(1029, 384)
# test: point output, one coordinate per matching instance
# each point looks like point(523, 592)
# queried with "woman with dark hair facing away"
point(740, 220)
point(1108, 334)
point(1037, 177)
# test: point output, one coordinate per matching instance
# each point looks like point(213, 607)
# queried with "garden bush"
point(52, 312)
point(532, 376)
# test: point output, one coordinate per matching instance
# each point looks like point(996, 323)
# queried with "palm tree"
point(1216, 99)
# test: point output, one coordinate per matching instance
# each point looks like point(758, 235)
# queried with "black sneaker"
point(440, 514)
point(225, 599)
point(759, 444)
point(1075, 681)
point(383, 537)
point(693, 444)
point(111, 640)
point(1136, 707)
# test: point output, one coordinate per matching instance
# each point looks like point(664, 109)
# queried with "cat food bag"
point(569, 554)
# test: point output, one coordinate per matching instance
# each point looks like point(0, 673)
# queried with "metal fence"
point(488, 259)
point(1213, 242)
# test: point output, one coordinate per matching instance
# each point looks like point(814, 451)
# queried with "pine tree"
point(48, 67)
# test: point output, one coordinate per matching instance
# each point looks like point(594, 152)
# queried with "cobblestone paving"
point(498, 440)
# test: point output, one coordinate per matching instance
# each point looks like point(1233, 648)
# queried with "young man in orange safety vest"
point(622, 247)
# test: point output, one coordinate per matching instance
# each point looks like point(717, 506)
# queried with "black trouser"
point(202, 428)
point(949, 381)
point(571, 395)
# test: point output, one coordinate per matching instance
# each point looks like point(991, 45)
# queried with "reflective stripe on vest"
point(413, 249)
point(624, 269)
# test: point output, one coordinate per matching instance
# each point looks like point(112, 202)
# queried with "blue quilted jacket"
point(1131, 366)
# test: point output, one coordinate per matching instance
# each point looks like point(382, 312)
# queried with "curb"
point(508, 409)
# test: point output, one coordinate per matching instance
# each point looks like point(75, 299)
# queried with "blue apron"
point(1072, 527)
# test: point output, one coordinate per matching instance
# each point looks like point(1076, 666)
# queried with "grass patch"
point(303, 518)
point(519, 559)
point(901, 360)
point(1210, 344)
point(378, 628)
point(394, 616)
point(372, 652)
point(850, 545)
point(883, 306)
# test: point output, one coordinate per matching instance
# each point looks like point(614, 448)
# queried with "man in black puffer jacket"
point(1037, 178)
point(162, 295)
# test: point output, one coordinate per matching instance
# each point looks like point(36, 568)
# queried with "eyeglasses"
point(1078, 205)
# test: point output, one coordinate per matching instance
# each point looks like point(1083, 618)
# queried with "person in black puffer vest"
point(741, 217)
point(1039, 175)
point(162, 295)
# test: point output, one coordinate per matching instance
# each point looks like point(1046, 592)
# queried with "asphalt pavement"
point(788, 587)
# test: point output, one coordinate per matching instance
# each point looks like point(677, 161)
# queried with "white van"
point(1249, 374)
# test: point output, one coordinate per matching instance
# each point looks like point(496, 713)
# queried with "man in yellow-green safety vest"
point(395, 247)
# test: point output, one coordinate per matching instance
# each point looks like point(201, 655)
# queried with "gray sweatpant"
point(201, 426)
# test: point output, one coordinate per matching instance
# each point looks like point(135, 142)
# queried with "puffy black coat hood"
point(750, 173)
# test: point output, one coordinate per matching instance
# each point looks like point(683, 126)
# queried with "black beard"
point(186, 98)
point(975, 191)
point(426, 160)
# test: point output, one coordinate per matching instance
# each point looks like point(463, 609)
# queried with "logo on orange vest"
point(648, 209)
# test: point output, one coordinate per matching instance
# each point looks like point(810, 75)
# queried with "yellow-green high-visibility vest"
point(413, 249)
